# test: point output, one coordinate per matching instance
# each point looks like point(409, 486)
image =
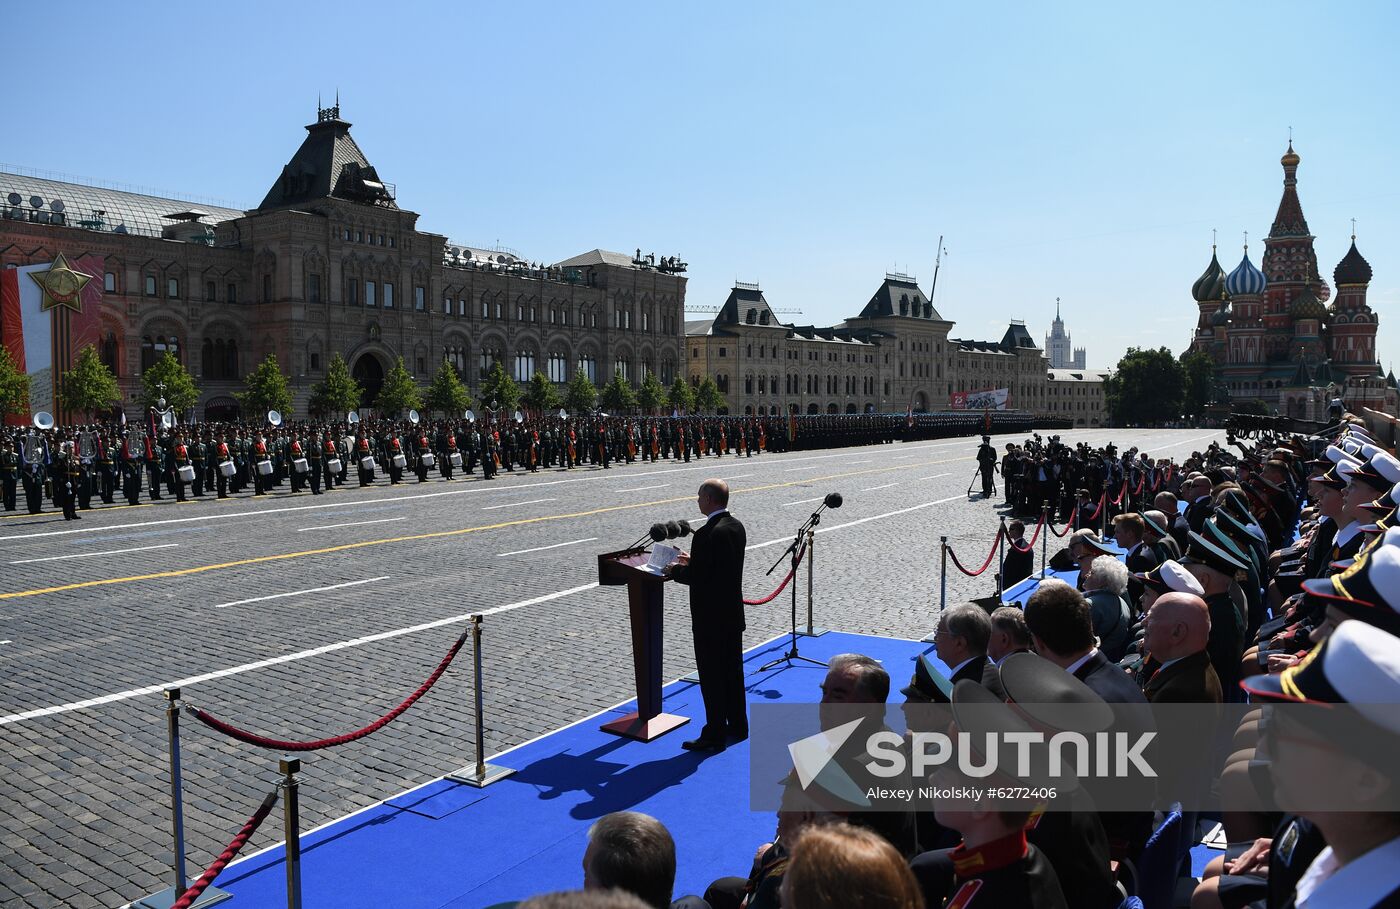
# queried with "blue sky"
point(1079, 151)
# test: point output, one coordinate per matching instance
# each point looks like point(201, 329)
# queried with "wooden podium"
point(644, 601)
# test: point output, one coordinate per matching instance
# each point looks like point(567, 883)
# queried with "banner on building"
point(990, 399)
point(49, 312)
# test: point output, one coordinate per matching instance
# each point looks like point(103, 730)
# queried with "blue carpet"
point(451, 845)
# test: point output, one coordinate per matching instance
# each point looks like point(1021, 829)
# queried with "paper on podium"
point(661, 556)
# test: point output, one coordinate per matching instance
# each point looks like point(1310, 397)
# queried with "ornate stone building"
point(1270, 332)
point(895, 355)
point(329, 262)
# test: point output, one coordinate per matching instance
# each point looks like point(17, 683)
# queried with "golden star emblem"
point(62, 286)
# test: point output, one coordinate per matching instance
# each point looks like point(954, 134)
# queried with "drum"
point(265, 468)
point(367, 464)
point(186, 474)
point(227, 469)
point(333, 465)
point(400, 461)
point(429, 460)
point(456, 459)
point(300, 465)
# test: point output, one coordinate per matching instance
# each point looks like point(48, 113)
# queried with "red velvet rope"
point(1094, 517)
point(991, 555)
point(191, 895)
point(788, 577)
point(1068, 527)
point(1122, 492)
point(264, 742)
point(1035, 536)
point(1141, 480)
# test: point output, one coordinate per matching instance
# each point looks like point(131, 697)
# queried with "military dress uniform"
point(313, 466)
point(1008, 873)
point(9, 474)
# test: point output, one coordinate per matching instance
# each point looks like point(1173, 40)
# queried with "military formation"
point(73, 468)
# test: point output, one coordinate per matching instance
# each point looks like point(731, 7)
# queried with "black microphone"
point(685, 527)
point(657, 532)
point(832, 500)
point(673, 530)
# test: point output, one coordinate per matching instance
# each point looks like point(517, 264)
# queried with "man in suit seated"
point(634, 853)
point(1063, 633)
point(960, 641)
point(1179, 670)
point(1009, 633)
point(1019, 561)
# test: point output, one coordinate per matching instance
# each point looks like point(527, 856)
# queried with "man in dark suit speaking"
point(714, 572)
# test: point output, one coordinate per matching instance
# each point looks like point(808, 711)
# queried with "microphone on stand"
point(673, 530)
point(832, 500)
point(656, 533)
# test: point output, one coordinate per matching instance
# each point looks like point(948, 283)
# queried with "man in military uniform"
point(986, 462)
point(197, 461)
point(220, 456)
point(313, 462)
point(65, 475)
point(9, 472)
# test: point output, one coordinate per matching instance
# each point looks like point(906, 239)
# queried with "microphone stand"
point(791, 554)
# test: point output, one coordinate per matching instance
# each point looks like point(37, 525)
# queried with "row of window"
point(359, 235)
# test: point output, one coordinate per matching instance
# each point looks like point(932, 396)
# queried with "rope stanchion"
point(291, 827)
point(483, 774)
point(985, 565)
point(942, 584)
point(811, 632)
point(786, 578)
point(260, 741)
point(190, 896)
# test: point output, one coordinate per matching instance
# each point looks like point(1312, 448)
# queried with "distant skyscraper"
point(1057, 345)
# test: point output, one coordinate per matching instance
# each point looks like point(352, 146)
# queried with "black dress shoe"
point(738, 735)
point(703, 745)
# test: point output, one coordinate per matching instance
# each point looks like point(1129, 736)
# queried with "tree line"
point(89, 387)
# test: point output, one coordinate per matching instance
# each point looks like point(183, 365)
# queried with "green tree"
point(1199, 374)
point(499, 391)
point(707, 396)
point(617, 395)
point(265, 389)
point(652, 394)
point(1148, 387)
point(180, 392)
point(540, 394)
point(447, 393)
point(14, 387)
point(338, 393)
point(89, 385)
point(399, 392)
point(680, 397)
point(580, 394)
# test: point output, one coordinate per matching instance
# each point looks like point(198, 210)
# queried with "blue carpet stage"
point(451, 845)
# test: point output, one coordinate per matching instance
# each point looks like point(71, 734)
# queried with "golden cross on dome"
point(61, 285)
point(1353, 230)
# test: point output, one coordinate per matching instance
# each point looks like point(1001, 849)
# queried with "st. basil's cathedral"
point(1271, 333)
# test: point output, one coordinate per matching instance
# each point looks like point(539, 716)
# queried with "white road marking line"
point(802, 502)
point(297, 593)
point(6, 642)
point(873, 488)
point(543, 548)
point(738, 476)
point(513, 504)
point(936, 476)
point(873, 517)
point(88, 555)
point(808, 467)
point(350, 524)
point(277, 660)
point(643, 488)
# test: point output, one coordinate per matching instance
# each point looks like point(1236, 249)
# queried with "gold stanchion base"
point(168, 897)
point(468, 775)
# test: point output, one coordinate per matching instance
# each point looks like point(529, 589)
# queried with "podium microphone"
point(656, 534)
point(673, 530)
point(832, 500)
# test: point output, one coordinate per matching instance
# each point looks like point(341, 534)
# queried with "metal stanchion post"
point(291, 828)
point(942, 584)
point(1001, 555)
point(481, 774)
point(1044, 535)
point(811, 574)
point(167, 897)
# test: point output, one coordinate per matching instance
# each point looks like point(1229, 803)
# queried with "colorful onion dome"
point(1353, 269)
point(1290, 158)
point(1307, 306)
point(1245, 280)
point(1211, 284)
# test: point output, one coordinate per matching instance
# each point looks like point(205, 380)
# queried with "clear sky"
point(1063, 150)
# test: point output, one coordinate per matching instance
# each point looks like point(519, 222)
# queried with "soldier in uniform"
point(220, 456)
point(986, 461)
point(260, 456)
point(329, 454)
point(294, 454)
point(362, 453)
point(106, 466)
point(197, 455)
point(490, 455)
point(313, 463)
point(65, 475)
point(131, 472)
point(422, 449)
point(177, 455)
point(9, 472)
point(154, 465)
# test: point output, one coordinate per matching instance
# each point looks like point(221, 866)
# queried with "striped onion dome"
point(1211, 284)
point(1246, 280)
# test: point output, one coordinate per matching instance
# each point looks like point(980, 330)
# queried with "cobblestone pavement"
point(302, 618)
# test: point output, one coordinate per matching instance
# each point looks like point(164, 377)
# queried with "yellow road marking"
point(437, 534)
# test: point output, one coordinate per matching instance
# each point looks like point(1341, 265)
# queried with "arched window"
point(558, 366)
point(588, 365)
point(108, 352)
point(751, 316)
point(489, 357)
point(622, 368)
point(524, 365)
point(457, 359)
